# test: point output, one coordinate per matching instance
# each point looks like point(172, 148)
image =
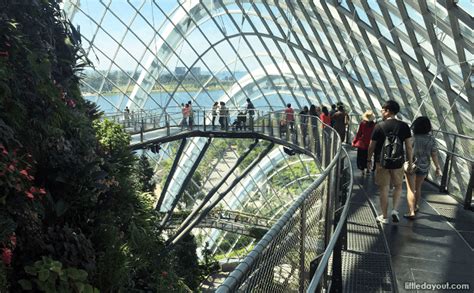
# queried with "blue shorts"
point(420, 172)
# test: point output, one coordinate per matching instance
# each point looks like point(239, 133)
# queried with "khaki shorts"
point(383, 177)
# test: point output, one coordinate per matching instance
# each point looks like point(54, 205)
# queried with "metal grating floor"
point(366, 272)
point(362, 238)
point(366, 265)
point(460, 219)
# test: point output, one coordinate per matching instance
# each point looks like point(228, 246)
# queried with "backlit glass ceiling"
point(157, 54)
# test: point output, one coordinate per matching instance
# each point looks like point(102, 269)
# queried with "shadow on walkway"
point(435, 248)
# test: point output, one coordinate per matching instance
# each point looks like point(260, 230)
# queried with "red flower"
point(42, 191)
point(71, 103)
point(24, 173)
point(4, 54)
point(29, 195)
point(7, 256)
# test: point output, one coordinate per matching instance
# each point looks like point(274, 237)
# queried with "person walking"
point(251, 112)
point(387, 143)
point(314, 113)
point(304, 124)
point(340, 120)
point(424, 148)
point(185, 114)
point(190, 115)
point(214, 113)
point(223, 116)
point(289, 117)
point(362, 139)
point(331, 113)
point(126, 114)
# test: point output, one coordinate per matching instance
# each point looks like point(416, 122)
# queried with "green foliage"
point(111, 135)
point(72, 248)
point(185, 259)
point(67, 184)
point(3, 278)
point(48, 275)
point(145, 175)
point(257, 233)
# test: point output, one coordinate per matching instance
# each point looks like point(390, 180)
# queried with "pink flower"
point(7, 256)
point(29, 195)
point(11, 168)
point(24, 173)
point(71, 103)
point(42, 191)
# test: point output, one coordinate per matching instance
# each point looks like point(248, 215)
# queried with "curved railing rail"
point(457, 163)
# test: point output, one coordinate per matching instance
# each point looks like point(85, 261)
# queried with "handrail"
point(231, 281)
point(332, 243)
point(455, 134)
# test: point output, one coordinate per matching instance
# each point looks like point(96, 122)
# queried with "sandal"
point(409, 217)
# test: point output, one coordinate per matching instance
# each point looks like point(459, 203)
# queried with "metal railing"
point(457, 163)
point(284, 258)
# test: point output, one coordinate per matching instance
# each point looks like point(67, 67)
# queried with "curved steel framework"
point(150, 54)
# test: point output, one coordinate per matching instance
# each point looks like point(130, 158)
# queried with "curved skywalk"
point(159, 54)
point(155, 55)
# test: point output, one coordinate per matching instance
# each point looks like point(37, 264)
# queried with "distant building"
point(196, 71)
point(181, 71)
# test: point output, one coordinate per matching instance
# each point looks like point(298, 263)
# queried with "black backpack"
point(392, 155)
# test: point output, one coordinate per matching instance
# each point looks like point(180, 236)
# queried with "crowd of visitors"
point(386, 147)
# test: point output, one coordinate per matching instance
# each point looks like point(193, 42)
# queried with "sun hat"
point(368, 116)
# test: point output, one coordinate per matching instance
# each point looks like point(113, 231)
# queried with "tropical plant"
point(48, 275)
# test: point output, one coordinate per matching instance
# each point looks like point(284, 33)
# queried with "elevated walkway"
point(436, 247)
point(435, 250)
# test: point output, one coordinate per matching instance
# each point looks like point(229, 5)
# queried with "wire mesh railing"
point(283, 259)
point(457, 163)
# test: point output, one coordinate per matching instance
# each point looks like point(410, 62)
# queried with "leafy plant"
point(49, 275)
point(145, 175)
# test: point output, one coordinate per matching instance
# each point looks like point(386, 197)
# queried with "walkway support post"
point(171, 174)
point(142, 129)
point(447, 169)
point(302, 250)
point(167, 124)
point(336, 285)
point(470, 189)
point(204, 119)
point(187, 180)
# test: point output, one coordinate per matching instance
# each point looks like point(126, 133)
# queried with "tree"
point(145, 175)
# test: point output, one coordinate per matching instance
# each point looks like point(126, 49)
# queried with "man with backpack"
point(388, 139)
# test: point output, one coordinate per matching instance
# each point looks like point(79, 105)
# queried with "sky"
point(156, 17)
